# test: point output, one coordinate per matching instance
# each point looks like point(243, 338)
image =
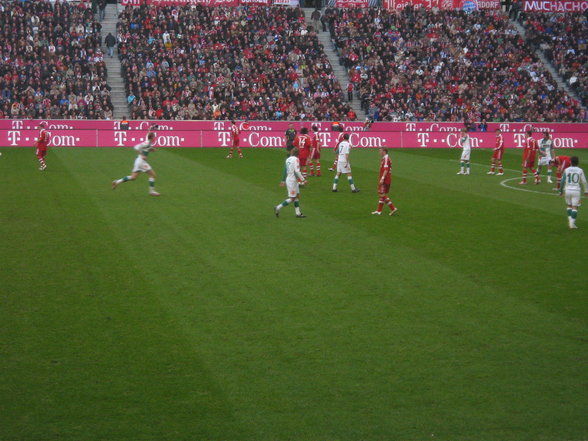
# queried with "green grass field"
point(200, 316)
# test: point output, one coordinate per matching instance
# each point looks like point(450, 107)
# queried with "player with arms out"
point(545, 155)
point(141, 165)
point(235, 132)
point(384, 181)
point(41, 146)
point(343, 165)
point(561, 162)
point(303, 143)
point(291, 178)
point(466, 149)
point(529, 154)
point(290, 136)
point(341, 129)
point(497, 155)
point(572, 181)
point(315, 154)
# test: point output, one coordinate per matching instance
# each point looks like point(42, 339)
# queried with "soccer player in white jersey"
point(343, 165)
point(141, 165)
point(545, 155)
point(466, 149)
point(291, 179)
point(572, 180)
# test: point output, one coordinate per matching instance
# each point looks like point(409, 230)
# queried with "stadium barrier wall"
point(275, 139)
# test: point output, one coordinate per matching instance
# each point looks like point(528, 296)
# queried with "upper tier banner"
point(323, 126)
point(209, 2)
point(351, 3)
point(555, 6)
point(275, 139)
point(466, 5)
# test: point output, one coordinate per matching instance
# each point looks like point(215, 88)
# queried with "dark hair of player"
point(384, 149)
point(232, 122)
point(498, 130)
point(314, 128)
point(294, 152)
point(546, 134)
point(304, 130)
point(150, 136)
point(575, 161)
point(529, 132)
point(346, 136)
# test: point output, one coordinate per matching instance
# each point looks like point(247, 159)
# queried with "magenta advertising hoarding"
point(275, 139)
point(324, 126)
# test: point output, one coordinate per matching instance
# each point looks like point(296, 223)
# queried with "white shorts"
point(141, 165)
point(293, 188)
point(465, 154)
point(573, 197)
point(544, 160)
point(343, 167)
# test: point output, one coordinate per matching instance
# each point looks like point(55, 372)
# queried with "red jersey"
point(563, 162)
point(316, 142)
point(531, 148)
point(499, 142)
point(43, 139)
point(385, 165)
point(304, 143)
point(235, 132)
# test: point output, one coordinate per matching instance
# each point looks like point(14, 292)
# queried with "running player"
point(141, 165)
point(303, 143)
point(41, 146)
point(561, 162)
point(570, 185)
point(384, 183)
point(291, 178)
point(290, 136)
point(315, 154)
point(529, 154)
point(343, 165)
point(235, 132)
point(466, 149)
point(497, 155)
point(545, 155)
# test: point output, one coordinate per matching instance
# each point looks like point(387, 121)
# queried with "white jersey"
point(292, 171)
point(344, 150)
point(546, 147)
point(572, 179)
point(144, 148)
point(465, 142)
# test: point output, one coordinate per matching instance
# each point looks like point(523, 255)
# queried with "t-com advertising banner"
point(466, 5)
point(275, 139)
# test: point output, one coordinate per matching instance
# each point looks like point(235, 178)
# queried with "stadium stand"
point(445, 65)
point(51, 65)
point(563, 38)
point(196, 62)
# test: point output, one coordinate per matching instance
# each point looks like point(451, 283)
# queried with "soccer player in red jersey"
point(384, 183)
point(41, 146)
point(235, 132)
point(529, 155)
point(303, 143)
point(497, 155)
point(315, 154)
point(561, 162)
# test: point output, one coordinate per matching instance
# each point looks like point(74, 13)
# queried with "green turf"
point(200, 316)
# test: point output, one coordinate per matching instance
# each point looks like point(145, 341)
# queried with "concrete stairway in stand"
point(339, 71)
point(115, 81)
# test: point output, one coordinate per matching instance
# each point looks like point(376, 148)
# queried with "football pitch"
point(199, 316)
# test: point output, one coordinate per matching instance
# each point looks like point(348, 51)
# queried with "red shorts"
point(316, 154)
point(497, 154)
point(384, 188)
point(235, 142)
point(529, 163)
point(41, 152)
point(303, 160)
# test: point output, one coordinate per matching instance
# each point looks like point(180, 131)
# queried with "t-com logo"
point(120, 138)
point(63, 140)
point(14, 136)
point(17, 125)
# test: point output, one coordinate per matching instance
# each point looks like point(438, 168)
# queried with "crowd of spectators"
point(51, 65)
point(563, 38)
point(416, 64)
point(199, 62)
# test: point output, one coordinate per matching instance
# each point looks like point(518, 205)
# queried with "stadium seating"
point(51, 64)
point(563, 39)
point(220, 63)
point(445, 65)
